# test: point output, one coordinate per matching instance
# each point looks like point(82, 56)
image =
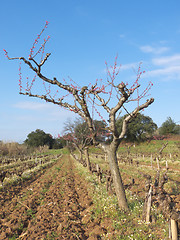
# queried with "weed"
point(59, 168)
point(46, 187)
point(14, 237)
point(31, 213)
point(61, 192)
point(51, 236)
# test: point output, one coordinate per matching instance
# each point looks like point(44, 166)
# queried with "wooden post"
point(158, 167)
point(105, 157)
point(173, 229)
point(98, 172)
point(148, 208)
point(167, 165)
point(108, 181)
point(151, 161)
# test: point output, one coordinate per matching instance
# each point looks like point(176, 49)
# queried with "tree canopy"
point(169, 127)
point(139, 128)
point(39, 138)
point(79, 133)
point(58, 143)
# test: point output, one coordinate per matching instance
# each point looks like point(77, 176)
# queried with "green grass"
point(127, 225)
point(131, 225)
point(57, 151)
point(31, 213)
point(51, 236)
point(45, 187)
point(151, 148)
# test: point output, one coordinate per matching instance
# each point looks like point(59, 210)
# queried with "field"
point(52, 196)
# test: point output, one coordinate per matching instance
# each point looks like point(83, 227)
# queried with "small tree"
point(168, 127)
point(78, 134)
point(58, 143)
point(39, 138)
point(102, 98)
point(139, 129)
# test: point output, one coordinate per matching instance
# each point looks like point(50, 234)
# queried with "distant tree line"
point(40, 138)
point(139, 129)
point(169, 127)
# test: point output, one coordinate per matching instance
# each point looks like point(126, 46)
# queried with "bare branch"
point(66, 105)
point(29, 64)
point(45, 59)
point(104, 104)
point(133, 115)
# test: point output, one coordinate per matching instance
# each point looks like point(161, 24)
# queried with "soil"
point(55, 205)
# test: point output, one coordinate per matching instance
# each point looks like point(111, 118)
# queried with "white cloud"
point(132, 66)
point(170, 72)
point(122, 35)
point(52, 111)
point(31, 105)
point(129, 66)
point(154, 50)
point(169, 60)
point(168, 67)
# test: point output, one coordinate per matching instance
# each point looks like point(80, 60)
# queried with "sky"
point(83, 35)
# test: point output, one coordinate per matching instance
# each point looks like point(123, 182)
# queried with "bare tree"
point(77, 133)
point(109, 96)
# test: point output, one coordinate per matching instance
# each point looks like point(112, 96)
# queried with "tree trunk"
point(87, 159)
point(80, 155)
point(117, 180)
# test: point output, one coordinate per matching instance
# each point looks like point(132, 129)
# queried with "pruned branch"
point(133, 115)
point(66, 105)
point(103, 103)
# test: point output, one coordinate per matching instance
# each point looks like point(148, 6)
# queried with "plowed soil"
point(55, 205)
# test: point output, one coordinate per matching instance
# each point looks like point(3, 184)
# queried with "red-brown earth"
point(56, 205)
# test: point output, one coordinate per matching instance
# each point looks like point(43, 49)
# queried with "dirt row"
point(56, 205)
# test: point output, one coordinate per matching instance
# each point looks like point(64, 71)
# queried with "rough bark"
point(80, 154)
point(87, 159)
point(117, 180)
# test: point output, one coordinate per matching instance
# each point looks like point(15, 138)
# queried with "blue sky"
point(85, 34)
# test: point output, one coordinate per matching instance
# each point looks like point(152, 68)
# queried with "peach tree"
point(105, 99)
